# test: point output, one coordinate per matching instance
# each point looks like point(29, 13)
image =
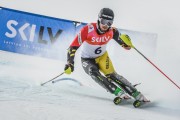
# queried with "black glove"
point(69, 68)
point(124, 45)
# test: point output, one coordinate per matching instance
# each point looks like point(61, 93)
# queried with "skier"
point(93, 39)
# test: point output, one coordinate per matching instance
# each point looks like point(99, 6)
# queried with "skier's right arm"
point(78, 40)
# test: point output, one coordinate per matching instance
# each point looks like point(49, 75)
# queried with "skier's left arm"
point(117, 38)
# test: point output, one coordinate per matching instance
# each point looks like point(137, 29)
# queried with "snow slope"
point(22, 97)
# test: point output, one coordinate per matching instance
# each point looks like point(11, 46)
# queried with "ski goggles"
point(106, 22)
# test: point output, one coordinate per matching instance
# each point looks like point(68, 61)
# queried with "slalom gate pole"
point(157, 68)
point(52, 79)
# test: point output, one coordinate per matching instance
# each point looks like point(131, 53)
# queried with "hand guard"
point(69, 68)
point(126, 41)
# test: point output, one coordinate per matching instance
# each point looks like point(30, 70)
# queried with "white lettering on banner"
point(21, 31)
point(32, 32)
point(13, 33)
point(12, 26)
point(100, 39)
point(25, 46)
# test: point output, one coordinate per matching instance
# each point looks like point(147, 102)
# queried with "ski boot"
point(140, 100)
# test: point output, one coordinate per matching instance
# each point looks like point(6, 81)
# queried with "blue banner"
point(44, 36)
point(38, 35)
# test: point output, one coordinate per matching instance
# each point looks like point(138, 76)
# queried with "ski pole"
point(127, 41)
point(52, 79)
point(157, 68)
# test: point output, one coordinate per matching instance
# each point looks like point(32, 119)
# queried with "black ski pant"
point(111, 81)
point(91, 68)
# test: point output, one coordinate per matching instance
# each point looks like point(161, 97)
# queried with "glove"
point(126, 46)
point(69, 68)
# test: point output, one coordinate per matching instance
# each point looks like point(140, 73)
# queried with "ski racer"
point(93, 39)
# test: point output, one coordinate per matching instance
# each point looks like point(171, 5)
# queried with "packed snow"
point(23, 98)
